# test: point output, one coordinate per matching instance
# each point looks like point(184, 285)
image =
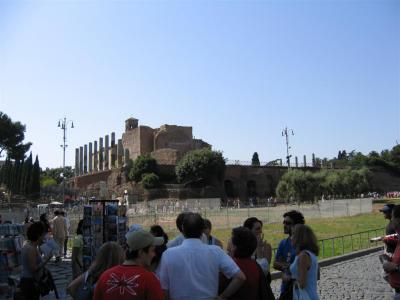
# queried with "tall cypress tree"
point(35, 180)
point(6, 170)
point(26, 176)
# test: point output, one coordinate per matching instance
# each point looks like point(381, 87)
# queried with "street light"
point(62, 124)
point(286, 132)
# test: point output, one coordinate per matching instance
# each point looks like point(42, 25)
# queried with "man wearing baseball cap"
point(131, 280)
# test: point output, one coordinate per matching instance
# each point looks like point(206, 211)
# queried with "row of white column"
point(100, 158)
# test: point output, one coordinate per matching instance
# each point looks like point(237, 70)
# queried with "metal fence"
point(228, 217)
point(347, 243)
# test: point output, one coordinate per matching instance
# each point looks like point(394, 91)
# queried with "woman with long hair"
point(158, 231)
point(109, 255)
point(32, 262)
point(304, 269)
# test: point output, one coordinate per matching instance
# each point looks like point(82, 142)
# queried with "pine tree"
point(255, 161)
point(35, 180)
point(6, 170)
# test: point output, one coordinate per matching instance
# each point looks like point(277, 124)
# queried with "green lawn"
point(327, 228)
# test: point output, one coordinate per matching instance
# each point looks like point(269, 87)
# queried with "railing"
point(347, 243)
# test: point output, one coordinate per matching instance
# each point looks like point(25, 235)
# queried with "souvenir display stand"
point(103, 221)
point(11, 242)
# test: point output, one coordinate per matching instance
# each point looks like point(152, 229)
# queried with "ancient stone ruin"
point(167, 144)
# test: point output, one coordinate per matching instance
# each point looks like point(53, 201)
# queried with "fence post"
point(352, 245)
point(342, 245)
point(323, 248)
point(333, 247)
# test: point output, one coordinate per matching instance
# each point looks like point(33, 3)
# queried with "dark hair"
point(79, 229)
point(62, 213)
point(303, 238)
point(245, 242)
point(133, 254)
point(179, 220)
point(249, 223)
point(396, 211)
point(296, 216)
point(56, 212)
point(35, 231)
point(193, 225)
point(158, 231)
point(207, 223)
point(43, 217)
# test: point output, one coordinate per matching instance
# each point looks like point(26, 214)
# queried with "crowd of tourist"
point(194, 265)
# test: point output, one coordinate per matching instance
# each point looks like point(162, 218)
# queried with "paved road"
point(359, 278)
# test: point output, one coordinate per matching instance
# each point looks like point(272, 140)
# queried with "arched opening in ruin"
point(251, 188)
point(229, 189)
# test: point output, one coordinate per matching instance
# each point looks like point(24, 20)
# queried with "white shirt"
point(191, 271)
point(180, 238)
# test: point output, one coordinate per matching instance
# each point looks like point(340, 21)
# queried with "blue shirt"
point(312, 275)
point(191, 271)
point(285, 253)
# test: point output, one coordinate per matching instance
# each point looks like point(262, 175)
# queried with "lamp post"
point(62, 124)
point(286, 132)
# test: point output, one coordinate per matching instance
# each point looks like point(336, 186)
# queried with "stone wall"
point(174, 137)
point(166, 156)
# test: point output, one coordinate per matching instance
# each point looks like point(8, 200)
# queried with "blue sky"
point(237, 71)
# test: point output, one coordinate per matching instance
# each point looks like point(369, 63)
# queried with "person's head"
point(31, 220)
point(255, 225)
point(62, 213)
point(303, 238)
point(141, 246)
point(290, 219)
point(26, 220)
point(192, 226)
point(56, 213)
point(43, 217)
point(35, 232)
point(109, 255)
point(207, 227)
point(387, 210)
point(244, 242)
point(158, 231)
point(179, 221)
point(79, 228)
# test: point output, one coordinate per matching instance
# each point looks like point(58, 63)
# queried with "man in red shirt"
point(393, 266)
point(131, 280)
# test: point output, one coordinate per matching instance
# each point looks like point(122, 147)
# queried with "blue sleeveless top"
point(312, 274)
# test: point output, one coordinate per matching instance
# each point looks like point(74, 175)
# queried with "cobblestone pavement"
point(359, 278)
point(62, 274)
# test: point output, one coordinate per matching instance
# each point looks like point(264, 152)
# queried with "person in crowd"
point(387, 213)
point(131, 280)
point(158, 231)
point(264, 249)
point(392, 265)
point(211, 239)
point(26, 225)
point(191, 270)
point(304, 269)
point(45, 221)
point(32, 261)
point(59, 230)
point(77, 249)
point(68, 225)
point(110, 254)
point(244, 244)
point(178, 239)
point(286, 253)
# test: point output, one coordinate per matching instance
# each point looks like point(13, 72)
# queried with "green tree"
point(55, 173)
point(34, 183)
point(150, 180)
point(47, 181)
point(202, 164)
point(25, 187)
point(255, 161)
point(141, 165)
point(12, 135)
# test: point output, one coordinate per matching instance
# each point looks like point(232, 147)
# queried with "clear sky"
point(237, 71)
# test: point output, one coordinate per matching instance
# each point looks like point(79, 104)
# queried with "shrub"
point(141, 165)
point(202, 164)
point(150, 180)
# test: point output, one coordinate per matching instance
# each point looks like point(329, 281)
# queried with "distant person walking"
point(59, 231)
point(211, 239)
point(68, 224)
